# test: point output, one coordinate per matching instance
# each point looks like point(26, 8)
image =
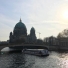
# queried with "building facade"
point(19, 34)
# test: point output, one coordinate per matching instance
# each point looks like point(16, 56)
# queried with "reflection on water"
point(6, 49)
point(20, 60)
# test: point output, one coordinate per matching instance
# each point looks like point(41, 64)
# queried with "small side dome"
point(32, 31)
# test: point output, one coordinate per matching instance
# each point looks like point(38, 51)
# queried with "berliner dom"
point(19, 34)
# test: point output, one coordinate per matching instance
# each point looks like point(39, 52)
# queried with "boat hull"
point(36, 52)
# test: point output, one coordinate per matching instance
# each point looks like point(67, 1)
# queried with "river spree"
point(20, 60)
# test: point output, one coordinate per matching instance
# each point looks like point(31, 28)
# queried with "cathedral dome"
point(20, 25)
point(20, 29)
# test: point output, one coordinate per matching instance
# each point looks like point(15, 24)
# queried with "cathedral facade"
point(19, 34)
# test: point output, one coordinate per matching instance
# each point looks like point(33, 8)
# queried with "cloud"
point(6, 20)
point(6, 25)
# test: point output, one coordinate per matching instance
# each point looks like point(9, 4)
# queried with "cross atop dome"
point(20, 20)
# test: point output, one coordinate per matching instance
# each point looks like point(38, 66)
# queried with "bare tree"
point(62, 34)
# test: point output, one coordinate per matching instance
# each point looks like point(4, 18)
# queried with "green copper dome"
point(20, 29)
point(20, 25)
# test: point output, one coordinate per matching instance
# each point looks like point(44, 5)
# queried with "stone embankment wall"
point(57, 48)
point(53, 48)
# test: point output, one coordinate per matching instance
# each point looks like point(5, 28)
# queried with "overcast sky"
point(46, 16)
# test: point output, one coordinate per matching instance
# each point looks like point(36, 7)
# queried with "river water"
point(20, 60)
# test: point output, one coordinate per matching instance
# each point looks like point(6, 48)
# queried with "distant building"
point(51, 40)
point(63, 42)
point(19, 34)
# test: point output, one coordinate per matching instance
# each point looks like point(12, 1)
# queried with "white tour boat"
point(38, 52)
